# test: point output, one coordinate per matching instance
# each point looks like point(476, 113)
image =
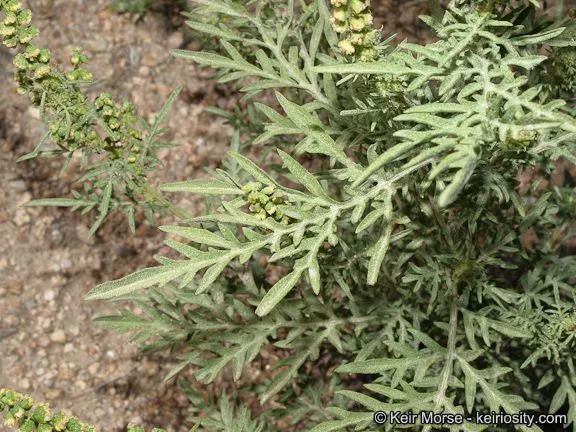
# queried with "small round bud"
point(356, 39)
point(368, 19)
point(10, 42)
point(44, 56)
point(268, 190)
point(357, 24)
point(7, 30)
point(32, 52)
point(42, 71)
point(27, 426)
point(270, 208)
point(346, 47)
point(114, 124)
point(24, 17)
point(13, 6)
point(339, 14)
point(74, 425)
point(358, 6)
point(26, 403)
point(338, 26)
point(10, 18)
point(368, 55)
point(25, 35)
point(21, 62)
point(59, 421)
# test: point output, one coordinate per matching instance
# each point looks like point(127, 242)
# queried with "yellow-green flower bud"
point(357, 24)
point(368, 19)
point(10, 42)
point(10, 18)
point(17, 412)
point(370, 38)
point(27, 426)
point(44, 428)
point(59, 421)
point(339, 14)
point(74, 425)
point(268, 190)
point(25, 35)
point(42, 71)
point(338, 26)
point(44, 56)
point(9, 419)
point(21, 62)
point(270, 208)
point(7, 30)
point(24, 17)
point(13, 6)
point(356, 39)
point(26, 402)
point(358, 6)
point(32, 52)
point(368, 55)
point(338, 3)
point(114, 124)
point(346, 47)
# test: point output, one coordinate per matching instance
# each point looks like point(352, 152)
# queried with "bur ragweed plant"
point(387, 212)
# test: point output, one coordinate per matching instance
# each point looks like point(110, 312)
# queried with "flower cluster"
point(353, 18)
point(29, 418)
point(264, 201)
point(120, 121)
point(519, 139)
point(16, 28)
point(58, 94)
point(562, 66)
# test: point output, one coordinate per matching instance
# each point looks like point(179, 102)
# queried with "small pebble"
point(24, 383)
point(58, 336)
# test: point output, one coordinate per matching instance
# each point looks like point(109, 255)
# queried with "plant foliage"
point(388, 202)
